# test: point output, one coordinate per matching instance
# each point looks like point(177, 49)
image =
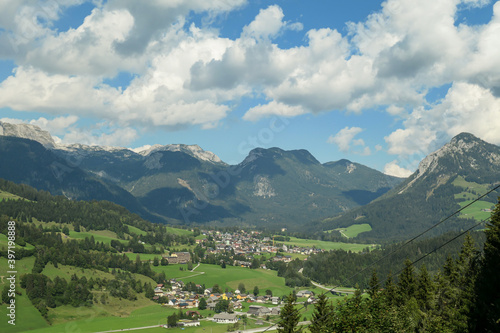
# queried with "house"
point(193, 314)
point(225, 318)
point(275, 311)
point(211, 306)
point(258, 311)
point(188, 323)
point(275, 300)
point(260, 299)
point(305, 293)
point(179, 258)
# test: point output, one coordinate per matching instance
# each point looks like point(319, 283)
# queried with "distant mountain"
point(28, 162)
point(455, 174)
point(184, 184)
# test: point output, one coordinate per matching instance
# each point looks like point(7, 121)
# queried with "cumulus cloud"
point(466, 108)
point(345, 137)
point(102, 136)
point(273, 108)
point(188, 75)
point(393, 169)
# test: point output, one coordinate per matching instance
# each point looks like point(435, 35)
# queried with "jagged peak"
point(193, 150)
point(27, 131)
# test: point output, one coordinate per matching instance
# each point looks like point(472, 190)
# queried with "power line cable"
point(396, 250)
point(422, 257)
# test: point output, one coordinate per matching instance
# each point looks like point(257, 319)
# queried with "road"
point(272, 328)
point(329, 289)
point(129, 329)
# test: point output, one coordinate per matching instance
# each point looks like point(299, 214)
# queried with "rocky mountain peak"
point(463, 152)
point(27, 131)
point(192, 150)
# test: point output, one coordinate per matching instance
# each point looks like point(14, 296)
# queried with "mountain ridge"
point(181, 184)
point(443, 180)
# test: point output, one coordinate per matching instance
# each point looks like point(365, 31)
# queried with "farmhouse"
point(258, 311)
point(225, 318)
point(179, 258)
point(305, 293)
point(189, 323)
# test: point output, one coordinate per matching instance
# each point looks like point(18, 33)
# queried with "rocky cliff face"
point(26, 131)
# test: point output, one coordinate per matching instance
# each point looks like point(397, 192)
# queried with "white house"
point(225, 318)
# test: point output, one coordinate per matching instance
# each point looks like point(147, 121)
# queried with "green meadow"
point(354, 230)
point(229, 277)
point(478, 210)
point(9, 196)
point(327, 245)
point(4, 243)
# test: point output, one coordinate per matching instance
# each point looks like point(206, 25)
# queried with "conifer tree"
point(321, 317)
point(485, 316)
point(407, 282)
point(390, 291)
point(425, 289)
point(373, 285)
point(289, 317)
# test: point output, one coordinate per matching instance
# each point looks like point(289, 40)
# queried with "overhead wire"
point(397, 250)
point(421, 258)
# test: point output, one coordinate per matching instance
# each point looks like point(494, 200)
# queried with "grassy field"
point(180, 232)
point(9, 196)
point(136, 231)
point(354, 230)
point(230, 277)
point(475, 211)
point(4, 242)
point(327, 245)
point(27, 316)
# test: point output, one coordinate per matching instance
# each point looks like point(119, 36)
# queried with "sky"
point(382, 83)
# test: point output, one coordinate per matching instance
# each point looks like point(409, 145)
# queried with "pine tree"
point(289, 317)
point(321, 317)
point(390, 291)
point(407, 282)
point(373, 285)
point(425, 290)
point(485, 316)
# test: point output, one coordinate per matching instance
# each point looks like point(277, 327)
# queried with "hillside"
point(452, 176)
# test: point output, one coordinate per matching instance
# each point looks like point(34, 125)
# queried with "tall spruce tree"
point(321, 317)
point(373, 285)
point(485, 314)
point(407, 282)
point(289, 317)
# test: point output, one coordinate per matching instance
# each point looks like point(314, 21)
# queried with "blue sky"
point(382, 83)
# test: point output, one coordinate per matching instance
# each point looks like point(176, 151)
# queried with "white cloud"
point(466, 108)
point(188, 75)
point(344, 138)
point(393, 169)
point(273, 108)
point(116, 137)
point(267, 23)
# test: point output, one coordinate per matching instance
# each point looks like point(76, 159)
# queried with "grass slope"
point(9, 196)
point(327, 245)
point(354, 230)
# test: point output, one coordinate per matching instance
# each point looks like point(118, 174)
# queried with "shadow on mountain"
point(238, 208)
point(363, 197)
point(181, 204)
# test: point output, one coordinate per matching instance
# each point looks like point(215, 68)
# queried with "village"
point(228, 306)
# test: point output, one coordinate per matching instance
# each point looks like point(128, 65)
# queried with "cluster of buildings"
point(251, 243)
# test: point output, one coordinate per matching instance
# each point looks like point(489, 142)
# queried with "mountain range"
point(273, 188)
point(183, 184)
